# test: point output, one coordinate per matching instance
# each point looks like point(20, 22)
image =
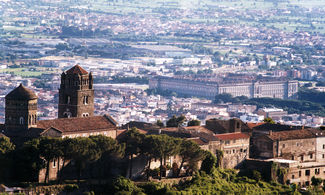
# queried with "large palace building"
point(76, 111)
point(254, 88)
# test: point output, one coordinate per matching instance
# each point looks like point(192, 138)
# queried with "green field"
point(27, 72)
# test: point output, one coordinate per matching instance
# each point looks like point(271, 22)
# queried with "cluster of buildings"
point(245, 145)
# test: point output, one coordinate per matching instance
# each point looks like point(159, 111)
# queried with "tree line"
point(97, 157)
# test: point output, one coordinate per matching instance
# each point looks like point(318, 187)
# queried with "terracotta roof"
point(275, 127)
point(317, 132)
point(21, 93)
point(140, 125)
point(232, 136)
point(198, 129)
point(76, 70)
point(252, 125)
point(197, 140)
point(74, 125)
point(290, 135)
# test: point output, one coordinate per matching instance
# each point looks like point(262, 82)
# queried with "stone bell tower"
point(21, 109)
point(76, 93)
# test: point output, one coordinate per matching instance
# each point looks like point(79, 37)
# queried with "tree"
point(133, 140)
point(160, 123)
point(5, 145)
point(6, 149)
point(176, 121)
point(219, 155)
point(27, 161)
point(162, 146)
point(82, 150)
point(269, 120)
point(194, 123)
point(316, 181)
point(49, 150)
point(190, 152)
point(224, 97)
point(208, 163)
point(109, 150)
point(257, 175)
point(66, 154)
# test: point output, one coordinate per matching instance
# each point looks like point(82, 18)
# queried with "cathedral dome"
point(21, 93)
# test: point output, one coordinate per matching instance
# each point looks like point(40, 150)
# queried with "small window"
point(227, 142)
point(323, 146)
point(299, 173)
point(293, 176)
point(68, 100)
point(21, 120)
point(311, 156)
point(323, 155)
point(283, 146)
point(234, 141)
point(302, 157)
point(54, 164)
point(317, 171)
point(307, 172)
point(85, 100)
point(238, 125)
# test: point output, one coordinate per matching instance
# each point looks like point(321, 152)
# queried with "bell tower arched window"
point(21, 120)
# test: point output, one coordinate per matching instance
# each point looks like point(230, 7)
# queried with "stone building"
point(20, 110)
point(292, 145)
point(209, 88)
point(226, 126)
point(76, 93)
point(235, 147)
point(76, 114)
point(300, 152)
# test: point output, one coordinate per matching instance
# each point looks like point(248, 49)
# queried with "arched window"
point(21, 120)
point(85, 100)
point(68, 99)
point(66, 114)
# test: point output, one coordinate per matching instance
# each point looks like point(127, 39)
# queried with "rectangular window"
point(323, 146)
point(227, 142)
point(323, 155)
point(317, 171)
point(283, 146)
point(293, 176)
point(299, 173)
point(54, 164)
point(307, 172)
point(310, 156)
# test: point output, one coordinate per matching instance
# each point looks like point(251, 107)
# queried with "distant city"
point(215, 63)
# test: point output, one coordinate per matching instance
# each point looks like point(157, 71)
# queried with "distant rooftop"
point(76, 70)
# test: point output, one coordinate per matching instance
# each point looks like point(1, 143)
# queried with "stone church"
point(75, 111)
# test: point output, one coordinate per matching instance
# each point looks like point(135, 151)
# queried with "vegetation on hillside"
point(308, 102)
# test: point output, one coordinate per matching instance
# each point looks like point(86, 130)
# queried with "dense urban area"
point(205, 96)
